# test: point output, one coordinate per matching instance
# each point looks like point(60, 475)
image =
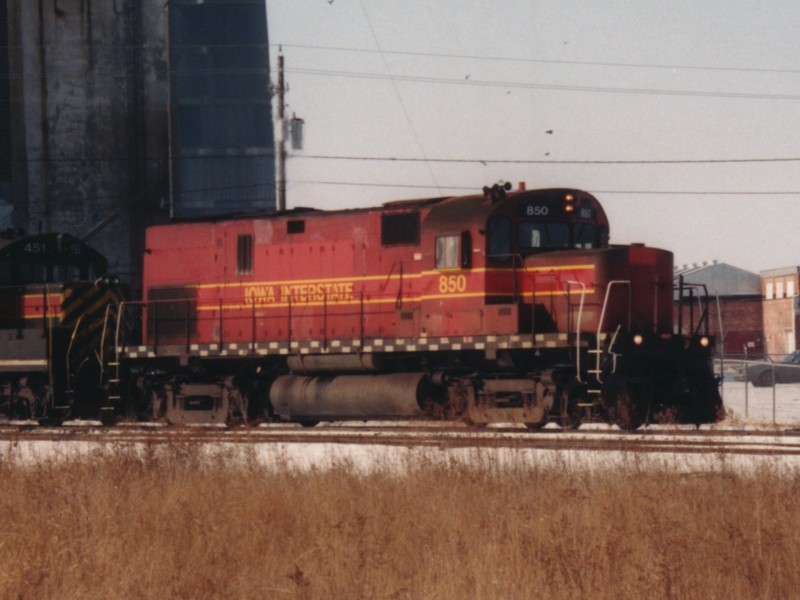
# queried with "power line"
point(82, 45)
point(581, 63)
point(631, 192)
point(397, 93)
point(541, 86)
point(490, 161)
point(244, 188)
point(410, 159)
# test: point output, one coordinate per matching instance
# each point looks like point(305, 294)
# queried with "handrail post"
point(120, 311)
point(569, 306)
point(253, 344)
point(398, 303)
point(680, 304)
point(655, 306)
point(289, 323)
point(188, 325)
point(221, 325)
point(577, 324)
point(324, 319)
point(155, 326)
point(361, 320)
point(533, 309)
point(103, 341)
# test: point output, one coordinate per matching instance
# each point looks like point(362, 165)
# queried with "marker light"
point(638, 339)
point(568, 203)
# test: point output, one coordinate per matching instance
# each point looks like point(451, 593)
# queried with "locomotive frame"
point(497, 307)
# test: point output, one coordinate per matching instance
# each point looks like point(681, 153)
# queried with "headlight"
point(638, 339)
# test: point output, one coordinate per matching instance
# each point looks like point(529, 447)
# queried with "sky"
point(681, 117)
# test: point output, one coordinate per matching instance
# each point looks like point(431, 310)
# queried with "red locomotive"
point(508, 306)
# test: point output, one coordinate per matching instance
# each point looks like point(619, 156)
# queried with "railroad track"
point(599, 439)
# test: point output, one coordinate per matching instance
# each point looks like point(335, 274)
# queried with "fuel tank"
point(353, 397)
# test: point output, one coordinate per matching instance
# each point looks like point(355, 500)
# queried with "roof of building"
point(720, 279)
point(780, 271)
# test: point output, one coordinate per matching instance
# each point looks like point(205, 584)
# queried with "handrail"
point(702, 303)
point(69, 349)
point(610, 285)
point(103, 341)
point(577, 325)
point(248, 324)
point(120, 313)
point(385, 285)
point(48, 330)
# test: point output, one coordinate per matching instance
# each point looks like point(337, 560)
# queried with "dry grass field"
point(164, 524)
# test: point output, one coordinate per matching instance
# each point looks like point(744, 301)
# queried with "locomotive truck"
point(502, 306)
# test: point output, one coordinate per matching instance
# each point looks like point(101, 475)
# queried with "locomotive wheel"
point(87, 394)
point(308, 423)
point(569, 416)
point(706, 401)
point(628, 409)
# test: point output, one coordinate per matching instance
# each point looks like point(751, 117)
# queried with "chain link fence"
point(761, 391)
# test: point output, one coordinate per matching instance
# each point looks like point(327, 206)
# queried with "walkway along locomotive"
point(506, 306)
point(55, 303)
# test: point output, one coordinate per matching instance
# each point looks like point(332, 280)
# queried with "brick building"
point(780, 306)
point(735, 306)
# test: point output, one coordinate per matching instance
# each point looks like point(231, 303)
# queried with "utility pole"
point(293, 127)
point(281, 182)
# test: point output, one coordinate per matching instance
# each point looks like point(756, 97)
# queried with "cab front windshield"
point(541, 235)
point(553, 234)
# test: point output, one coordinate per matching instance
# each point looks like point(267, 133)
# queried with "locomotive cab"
point(607, 311)
point(527, 223)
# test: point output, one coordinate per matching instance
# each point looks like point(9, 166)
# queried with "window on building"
point(768, 290)
point(779, 289)
point(244, 255)
point(790, 288)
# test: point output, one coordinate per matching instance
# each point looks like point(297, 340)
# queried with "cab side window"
point(499, 238)
point(447, 255)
